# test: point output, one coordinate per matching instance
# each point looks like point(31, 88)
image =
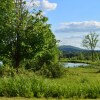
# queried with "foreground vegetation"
point(20, 98)
point(76, 83)
point(42, 99)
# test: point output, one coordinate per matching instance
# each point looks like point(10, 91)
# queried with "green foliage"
point(83, 55)
point(52, 70)
point(77, 83)
point(90, 42)
point(26, 38)
point(7, 71)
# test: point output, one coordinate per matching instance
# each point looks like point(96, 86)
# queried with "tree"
point(90, 41)
point(6, 10)
point(80, 56)
point(25, 37)
point(12, 29)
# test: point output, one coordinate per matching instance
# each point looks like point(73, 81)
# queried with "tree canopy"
point(90, 42)
point(25, 37)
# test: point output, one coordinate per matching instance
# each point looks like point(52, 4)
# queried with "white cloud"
point(74, 32)
point(44, 4)
point(85, 26)
point(30, 3)
point(76, 41)
point(72, 40)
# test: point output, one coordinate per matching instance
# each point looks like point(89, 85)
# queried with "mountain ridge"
point(70, 48)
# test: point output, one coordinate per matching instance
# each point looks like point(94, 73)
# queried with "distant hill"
point(70, 48)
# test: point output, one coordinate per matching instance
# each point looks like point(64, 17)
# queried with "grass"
point(77, 83)
point(76, 61)
point(20, 98)
point(80, 61)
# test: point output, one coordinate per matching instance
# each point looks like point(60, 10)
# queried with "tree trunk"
point(92, 53)
point(17, 53)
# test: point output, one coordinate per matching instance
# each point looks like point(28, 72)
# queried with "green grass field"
point(77, 83)
point(20, 98)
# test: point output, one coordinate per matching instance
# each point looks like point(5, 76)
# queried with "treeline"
point(84, 55)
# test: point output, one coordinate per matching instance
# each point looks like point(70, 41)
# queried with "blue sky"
point(72, 19)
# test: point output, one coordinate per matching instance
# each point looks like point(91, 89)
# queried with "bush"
point(52, 70)
point(7, 71)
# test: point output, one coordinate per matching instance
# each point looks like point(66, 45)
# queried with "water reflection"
point(74, 64)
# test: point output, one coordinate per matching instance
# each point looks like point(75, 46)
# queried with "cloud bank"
point(44, 4)
point(72, 40)
point(85, 26)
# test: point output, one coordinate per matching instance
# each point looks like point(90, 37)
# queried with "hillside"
point(70, 48)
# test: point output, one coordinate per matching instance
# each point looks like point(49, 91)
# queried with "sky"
point(71, 20)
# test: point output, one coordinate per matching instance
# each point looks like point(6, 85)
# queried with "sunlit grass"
point(77, 83)
point(20, 98)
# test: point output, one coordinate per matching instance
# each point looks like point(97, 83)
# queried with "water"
point(74, 64)
point(1, 63)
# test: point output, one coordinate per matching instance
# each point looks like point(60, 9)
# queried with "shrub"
point(7, 71)
point(52, 70)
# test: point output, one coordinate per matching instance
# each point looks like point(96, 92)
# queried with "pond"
point(74, 64)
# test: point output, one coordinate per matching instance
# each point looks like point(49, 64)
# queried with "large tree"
point(24, 36)
point(90, 42)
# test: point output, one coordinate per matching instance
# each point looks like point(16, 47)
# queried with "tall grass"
point(77, 83)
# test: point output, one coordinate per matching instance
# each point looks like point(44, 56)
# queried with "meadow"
point(81, 82)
